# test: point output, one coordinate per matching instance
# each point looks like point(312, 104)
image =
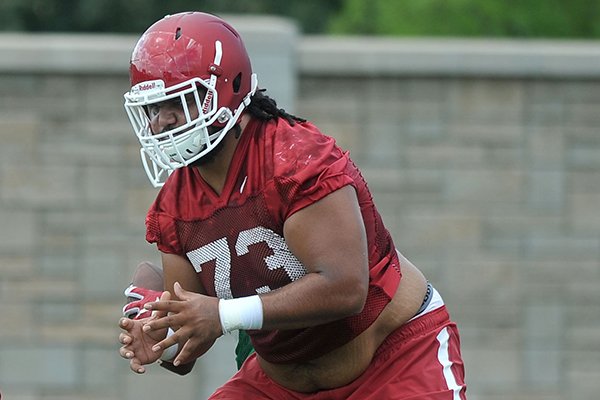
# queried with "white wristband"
point(241, 313)
point(169, 353)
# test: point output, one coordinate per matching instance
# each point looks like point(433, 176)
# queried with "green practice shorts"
point(243, 349)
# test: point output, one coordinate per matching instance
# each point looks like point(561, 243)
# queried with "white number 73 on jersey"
point(219, 251)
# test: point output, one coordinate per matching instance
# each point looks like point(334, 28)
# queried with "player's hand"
point(138, 344)
point(195, 318)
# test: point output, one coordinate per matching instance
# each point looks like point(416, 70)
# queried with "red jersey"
point(235, 239)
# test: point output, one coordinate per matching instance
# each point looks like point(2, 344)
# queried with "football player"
point(265, 225)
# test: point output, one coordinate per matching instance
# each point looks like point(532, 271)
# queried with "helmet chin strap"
point(215, 72)
point(247, 99)
point(234, 120)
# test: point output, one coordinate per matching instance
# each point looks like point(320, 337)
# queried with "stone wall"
point(483, 157)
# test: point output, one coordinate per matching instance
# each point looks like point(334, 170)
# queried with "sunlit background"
point(475, 123)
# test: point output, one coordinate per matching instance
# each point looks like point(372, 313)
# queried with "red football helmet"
point(194, 57)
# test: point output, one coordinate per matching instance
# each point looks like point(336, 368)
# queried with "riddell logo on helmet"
point(207, 101)
point(146, 86)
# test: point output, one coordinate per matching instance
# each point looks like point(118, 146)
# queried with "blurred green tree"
point(491, 18)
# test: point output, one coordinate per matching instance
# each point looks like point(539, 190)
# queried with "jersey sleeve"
point(161, 227)
point(307, 167)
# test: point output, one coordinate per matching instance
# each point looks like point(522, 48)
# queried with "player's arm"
point(178, 269)
point(329, 239)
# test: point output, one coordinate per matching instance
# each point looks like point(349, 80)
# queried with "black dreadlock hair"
point(265, 108)
point(262, 107)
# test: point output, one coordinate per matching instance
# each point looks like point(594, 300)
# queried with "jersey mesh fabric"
point(235, 239)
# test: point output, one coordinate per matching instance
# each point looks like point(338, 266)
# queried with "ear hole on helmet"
point(237, 82)
point(178, 33)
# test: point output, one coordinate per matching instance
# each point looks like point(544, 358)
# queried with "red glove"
point(137, 297)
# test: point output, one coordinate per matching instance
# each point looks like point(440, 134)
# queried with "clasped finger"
point(159, 323)
point(136, 366)
point(124, 338)
point(125, 353)
point(164, 305)
point(125, 323)
point(169, 341)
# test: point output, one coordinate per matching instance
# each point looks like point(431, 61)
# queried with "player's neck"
point(215, 171)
